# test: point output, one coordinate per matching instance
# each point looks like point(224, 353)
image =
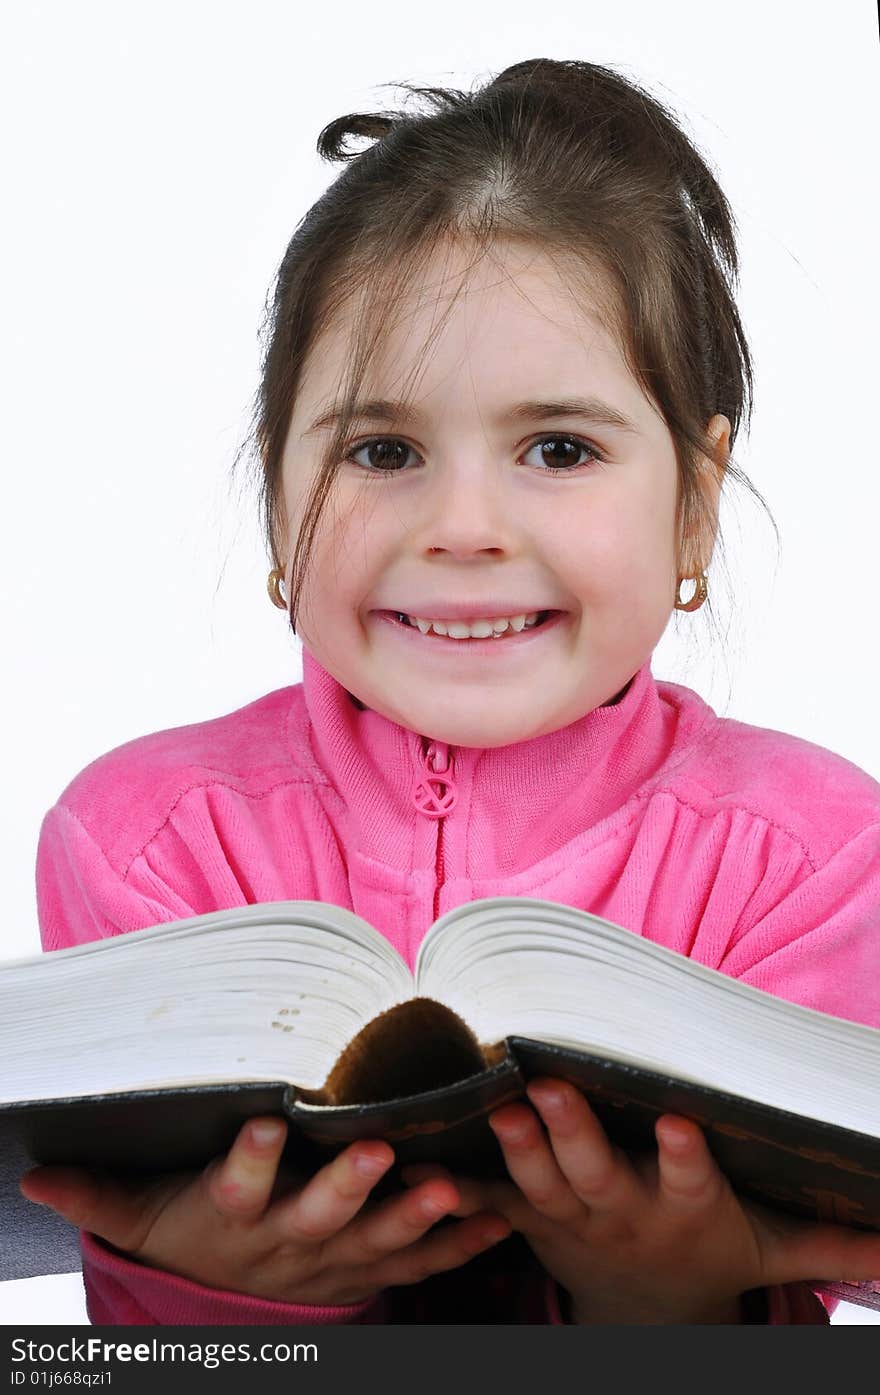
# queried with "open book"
point(147, 1051)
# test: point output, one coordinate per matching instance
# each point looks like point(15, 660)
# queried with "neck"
point(515, 803)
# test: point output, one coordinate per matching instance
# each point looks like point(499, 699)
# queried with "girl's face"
point(455, 510)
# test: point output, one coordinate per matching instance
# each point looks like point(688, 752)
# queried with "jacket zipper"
point(435, 795)
point(438, 868)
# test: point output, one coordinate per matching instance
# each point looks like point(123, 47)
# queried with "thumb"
point(837, 1253)
point(121, 1210)
point(809, 1250)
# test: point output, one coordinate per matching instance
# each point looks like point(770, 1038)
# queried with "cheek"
point(639, 525)
point(612, 539)
point(618, 558)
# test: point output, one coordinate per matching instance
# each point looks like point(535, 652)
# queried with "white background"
point(158, 158)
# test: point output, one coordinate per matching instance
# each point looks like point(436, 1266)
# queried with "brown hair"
point(567, 158)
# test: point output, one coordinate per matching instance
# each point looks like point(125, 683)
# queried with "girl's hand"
point(659, 1239)
point(231, 1227)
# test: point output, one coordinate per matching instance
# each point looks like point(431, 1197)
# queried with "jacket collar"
point(512, 805)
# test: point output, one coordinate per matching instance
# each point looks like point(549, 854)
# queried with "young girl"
point(504, 376)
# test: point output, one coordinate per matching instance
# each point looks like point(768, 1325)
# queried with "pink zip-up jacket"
point(752, 851)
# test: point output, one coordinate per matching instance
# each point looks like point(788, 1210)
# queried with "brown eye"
point(386, 454)
point(559, 454)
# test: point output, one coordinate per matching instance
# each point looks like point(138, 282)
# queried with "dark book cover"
point(819, 1171)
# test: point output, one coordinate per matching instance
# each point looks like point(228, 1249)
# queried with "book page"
point(540, 969)
point(267, 992)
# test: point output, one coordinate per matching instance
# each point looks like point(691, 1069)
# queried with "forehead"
point(513, 320)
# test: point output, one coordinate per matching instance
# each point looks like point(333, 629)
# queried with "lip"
point(446, 648)
point(477, 610)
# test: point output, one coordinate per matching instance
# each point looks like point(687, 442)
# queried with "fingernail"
point(547, 1096)
point(266, 1132)
point(509, 1132)
point(674, 1139)
point(368, 1165)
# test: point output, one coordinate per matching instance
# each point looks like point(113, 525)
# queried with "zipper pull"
point(435, 792)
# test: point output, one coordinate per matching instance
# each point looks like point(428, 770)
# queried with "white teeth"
point(479, 629)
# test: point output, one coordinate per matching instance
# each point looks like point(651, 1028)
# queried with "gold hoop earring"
point(275, 578)
point(697, 598)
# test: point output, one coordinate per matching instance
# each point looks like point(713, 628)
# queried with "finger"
point(531, 1163)
point(399, 1221)
point(795, 1249)
point(599, 1175)
point(240, 1183)
point(474, 1193)
point(689, 1179)
point(446, 1248)
point(116, 1209)
point(335, 1194)
point(71, 1191)
point(842, 1255)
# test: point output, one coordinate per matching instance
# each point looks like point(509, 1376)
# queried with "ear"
point(710, 480)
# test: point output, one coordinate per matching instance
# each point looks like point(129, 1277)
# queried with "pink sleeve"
point(818, 943)
point(121, 1291)
point(81, 898)
point(80, 895)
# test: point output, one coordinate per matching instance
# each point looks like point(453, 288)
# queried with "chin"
point(481, 735)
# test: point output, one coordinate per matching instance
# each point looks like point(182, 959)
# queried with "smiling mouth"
point(509, 636)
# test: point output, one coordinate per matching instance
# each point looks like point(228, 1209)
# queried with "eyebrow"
point(587, 408)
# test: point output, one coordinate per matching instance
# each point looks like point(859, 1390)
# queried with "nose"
point(465, 511)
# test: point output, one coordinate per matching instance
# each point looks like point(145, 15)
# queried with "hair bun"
point(372, 124)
